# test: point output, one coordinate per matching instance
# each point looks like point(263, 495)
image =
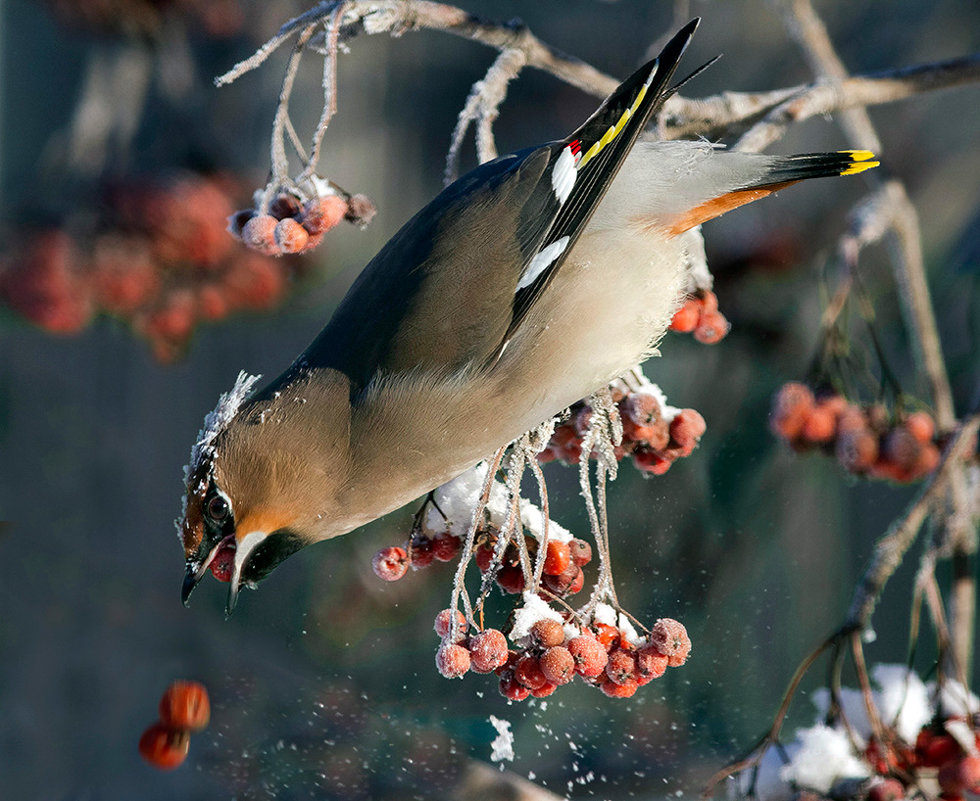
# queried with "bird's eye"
point(217, 508)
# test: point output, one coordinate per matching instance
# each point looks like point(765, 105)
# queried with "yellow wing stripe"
point(614, 130)
point(861, 161)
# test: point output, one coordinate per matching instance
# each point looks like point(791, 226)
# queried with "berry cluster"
point(184, 708)
point(162, 262)
point(700, 316)
point(391, 563)
point(296, 224)
point(556, 648)
point(864, 439)
point(654, 434)
point(954, 761)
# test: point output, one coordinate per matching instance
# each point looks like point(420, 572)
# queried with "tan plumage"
point(513, 294)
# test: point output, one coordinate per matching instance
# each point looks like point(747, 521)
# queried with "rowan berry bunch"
point(700, 317)
point(655, 434)
point(184, 708)
point(295, 221)
point(160, 260)
point(866, 440)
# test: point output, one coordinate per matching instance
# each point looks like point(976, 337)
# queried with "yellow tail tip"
point(861, 160)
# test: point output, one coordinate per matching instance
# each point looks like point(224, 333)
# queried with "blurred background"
point(112, 137)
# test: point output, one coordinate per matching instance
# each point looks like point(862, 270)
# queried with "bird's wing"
point(454, 284)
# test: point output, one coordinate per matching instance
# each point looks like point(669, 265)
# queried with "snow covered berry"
point(488, 651)
point(512, 689)
point(528, 672)
point(670, 638)
point(322, 214)
point(650, 664)
point(588, 654)
point(452, 660)
point(290, 236)
point(621, 666)
point(547, 633)
point(390, 563)
point(259, 233)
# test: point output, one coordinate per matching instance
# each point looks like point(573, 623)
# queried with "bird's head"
point(258, 489)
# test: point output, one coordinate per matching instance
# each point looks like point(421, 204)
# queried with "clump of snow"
point(765, 781)
point(458, 498)
point(604, 613)
point(954, 698)
point(824, 757)
point(533, 610)
point(647, 387)
point(502, 746)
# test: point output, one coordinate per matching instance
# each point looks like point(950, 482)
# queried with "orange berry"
point(259, 233)
point(650, 663)
point(856, 449)
point(588, 654)
point(686, 430)
point(322, 214)
point(488, 651)
point(528, 672)
point(452, 660)
point(621, 666)
point(921, 425)
point(613, 690)
point(928, 460)
point(557, 558)
point(819, 425)
point(443, 619)
point(185, 705)
point(291, 237)
point(547, 633)
point(686, 318)
point(709, 301)
point(544, 690)
point(163, 747)
point(512, 689)
point(712, 328)
point(557, 665)
point(607, 635)
point(790, 407)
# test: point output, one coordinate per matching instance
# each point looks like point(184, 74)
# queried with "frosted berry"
point(686, 430)
point(652, 462)
point(259, 233)
point(650, 664)
point(621, 666)
point(452, 660)
point(528, 672)
point(488, 651)
point(547, 633)
point(423, 553)
point(512, 689)
point(712, 328)
point(588, 654)
point(613, 690)
point(856, 449)
point(443, 619)
point(510, 579)
point(557, 665)
point(447, 548)
point(921, 425)
point(322, 214)
point(484, 557)
point(544, 690)
point(390, 563)
point(670, 638)
point(290, 236)
point(562, 583)
point(792, 404)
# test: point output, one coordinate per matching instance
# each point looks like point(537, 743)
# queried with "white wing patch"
point(563, 174)
point(542, 261)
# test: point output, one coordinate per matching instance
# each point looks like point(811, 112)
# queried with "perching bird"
point(526, 285)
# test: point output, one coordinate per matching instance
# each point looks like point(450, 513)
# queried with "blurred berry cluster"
point(700, 317)
point(161, 261)
point(866, 440)
point(295, 223)
point(185, 708)
point(655, 434)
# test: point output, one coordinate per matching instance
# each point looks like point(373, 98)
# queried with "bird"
point(527, 284)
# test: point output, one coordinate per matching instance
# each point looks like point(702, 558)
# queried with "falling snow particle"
point(502, 746)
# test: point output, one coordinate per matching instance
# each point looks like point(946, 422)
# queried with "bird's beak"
point(243, 549)
point(197, 568)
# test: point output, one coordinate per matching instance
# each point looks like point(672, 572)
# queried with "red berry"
point(653, 462)
point(255, 282)
point(390, 563)
point(512, 689)
point(709, 301)
point(621, 666)
point(443, 622)
point(686, 430)
point(544, 690)
point(528, 672)
point(557, 558)
point(856, 449)
point(557, 665)
point(933, 749)
point(607, 635)
point(484, 557)
point(901, 448)
point(588, 654)
point(488, 651)
point(185, 705)
point(452, 660)
point(510, 578)
point(650, 663)
point(423, 553)
point(223, 564)
point(447, 547)
point(791, 405)
point(578, 582)
point(686, 318)
point(562, 583)
point(886, 790)
point(581, 552)
point(613, 690)
point(164, 748)
point(670, 638)
point(819, 425)
point(547, 633)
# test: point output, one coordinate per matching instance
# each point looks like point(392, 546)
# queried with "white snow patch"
point(768, 784)
point(954, 699)
point(502, 746)
point(533, 520)
point(902, 698)
point(533, 610)
point(824, 758)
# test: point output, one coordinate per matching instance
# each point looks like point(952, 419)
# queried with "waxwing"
point(524, 286)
